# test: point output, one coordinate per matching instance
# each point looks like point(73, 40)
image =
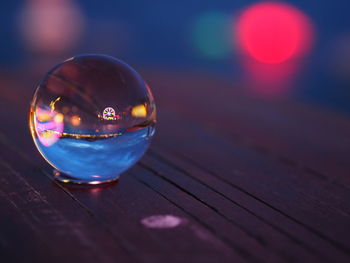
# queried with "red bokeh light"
point(272, 32)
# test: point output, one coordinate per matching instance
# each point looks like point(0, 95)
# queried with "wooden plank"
point(313, 203)
point(128, 203)
point(231, 235)
point(265, 217)
point(288, 246)
point(267, 237)
point(46, 224)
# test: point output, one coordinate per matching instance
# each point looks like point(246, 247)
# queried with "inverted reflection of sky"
point(104, 158)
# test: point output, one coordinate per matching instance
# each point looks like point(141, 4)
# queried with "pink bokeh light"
point(273, 32)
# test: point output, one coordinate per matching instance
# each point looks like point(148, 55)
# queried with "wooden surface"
point(250, 181)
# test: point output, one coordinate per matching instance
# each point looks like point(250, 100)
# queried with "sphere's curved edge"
point(62, 178)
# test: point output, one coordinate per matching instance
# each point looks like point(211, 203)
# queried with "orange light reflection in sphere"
point(273, 32)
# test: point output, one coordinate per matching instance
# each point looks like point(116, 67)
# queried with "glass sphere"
point(92, 117)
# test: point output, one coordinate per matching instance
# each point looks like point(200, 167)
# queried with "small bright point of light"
point(109, 114)
point(69, 59)
point(273, 32)
point(162, 221)
point(95, 182)
point(139, 111)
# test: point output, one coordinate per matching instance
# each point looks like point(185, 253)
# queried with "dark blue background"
point(157, 34)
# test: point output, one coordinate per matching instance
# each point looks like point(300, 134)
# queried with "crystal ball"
point(92, 117)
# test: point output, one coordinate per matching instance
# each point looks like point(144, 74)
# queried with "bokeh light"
point(75, 120)
point(139, 111)
point(272, 32)
point(211, 35)
point(49, 126)
point(51, 27)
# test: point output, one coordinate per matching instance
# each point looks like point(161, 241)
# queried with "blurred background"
point(272, 50)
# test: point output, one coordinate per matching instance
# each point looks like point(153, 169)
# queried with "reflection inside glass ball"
point(92, 117)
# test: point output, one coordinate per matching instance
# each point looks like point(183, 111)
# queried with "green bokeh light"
point(212, 35)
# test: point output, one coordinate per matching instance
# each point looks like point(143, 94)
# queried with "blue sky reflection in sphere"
point(92, 117)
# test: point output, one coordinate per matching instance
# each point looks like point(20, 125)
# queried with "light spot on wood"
point(162, 221)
